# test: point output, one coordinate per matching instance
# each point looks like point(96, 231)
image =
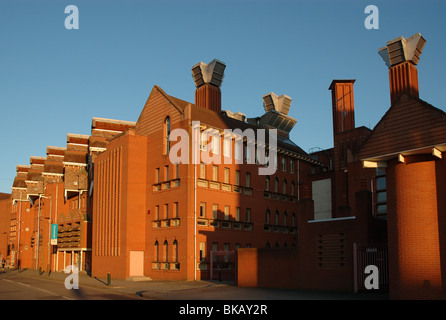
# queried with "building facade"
point(190, 191)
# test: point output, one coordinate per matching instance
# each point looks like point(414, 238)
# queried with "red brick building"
point(185, 221)
point(384, 188)
point(124, 208)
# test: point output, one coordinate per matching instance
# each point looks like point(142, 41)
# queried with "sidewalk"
point(198, 290)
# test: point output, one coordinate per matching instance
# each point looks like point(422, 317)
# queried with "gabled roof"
point(409, 124)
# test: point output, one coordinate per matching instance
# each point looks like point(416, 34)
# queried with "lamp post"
point(49, 233)
point(38, 230)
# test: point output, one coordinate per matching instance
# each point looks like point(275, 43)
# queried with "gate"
point(223, 265)
point(370, 253)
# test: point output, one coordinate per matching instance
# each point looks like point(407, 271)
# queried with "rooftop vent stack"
point(279, 103)
point(276, 114)
point(401, 56)
point(208, 79)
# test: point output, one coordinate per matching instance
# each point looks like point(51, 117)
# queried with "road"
point(16, 287)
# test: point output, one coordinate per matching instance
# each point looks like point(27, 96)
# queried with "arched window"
point(156, 251)
point(293, 185)
point(267, 217)
point(267, 180)
point(175, 251)
point(284, 187)
point(276, 218)
point(267, 245)
point(284, 218)
point(166, 251)
point(293, 219)
point(166, 135)
point(276, 185)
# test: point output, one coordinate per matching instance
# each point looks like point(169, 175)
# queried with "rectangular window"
point(248, 179)
point(216, 143)
point(214, 248)
point(157, 212)
point(175, 171)
point(227, 147)
point(291, 166)
point(237, 214)
point(238, 150)
point(202, 251)
point(381, 192)
point(215, 173)
point(248, 214)
point(283, 164)
point(202, 170)
point(166, 211)
point(226, 175)
point(226, 213)
point(203, 209)
point(237, 177)
point(175, 209)
point(215, 211)
point(166, 173)
point(226, 248)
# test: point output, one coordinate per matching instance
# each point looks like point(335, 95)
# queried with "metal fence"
point(366, 254)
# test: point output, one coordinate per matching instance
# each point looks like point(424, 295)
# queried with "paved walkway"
point(198, 290)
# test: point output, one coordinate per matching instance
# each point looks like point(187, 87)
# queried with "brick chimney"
point(401, 56)
point(208, 79)
point(343, 105)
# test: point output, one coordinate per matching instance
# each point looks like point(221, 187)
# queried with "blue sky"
point(54, 80)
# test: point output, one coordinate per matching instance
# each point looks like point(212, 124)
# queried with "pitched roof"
point(409, 124)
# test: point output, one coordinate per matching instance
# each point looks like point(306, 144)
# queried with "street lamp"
point(38, 229)
point(49, 233)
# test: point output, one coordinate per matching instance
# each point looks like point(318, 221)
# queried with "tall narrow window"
point(276, 218)
point(202, 209)
point(293, 185)
point(226, 217)
point(227, 143)
point(166, 211)
point(226, 178)
point(237, 177)
point(267, 181)
point(291, 166)
point(237, 214)
point(175, 251)
point(202, 170)
point(381, 192)
point(166, 173)
point(276, 185)
point(248, 214)
point(202, 251)
point(284, 187)
point(175, 209)
point(157, 212)
point(175, 171)
point(157, 175)
point(283, 164)
point(284, 218)
point(215, 211)
point(215, 173)
point(166, 135)
point(166, 251)
point(267, 217)
point(248, 179)
point(214, 248)
point(156, 252)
